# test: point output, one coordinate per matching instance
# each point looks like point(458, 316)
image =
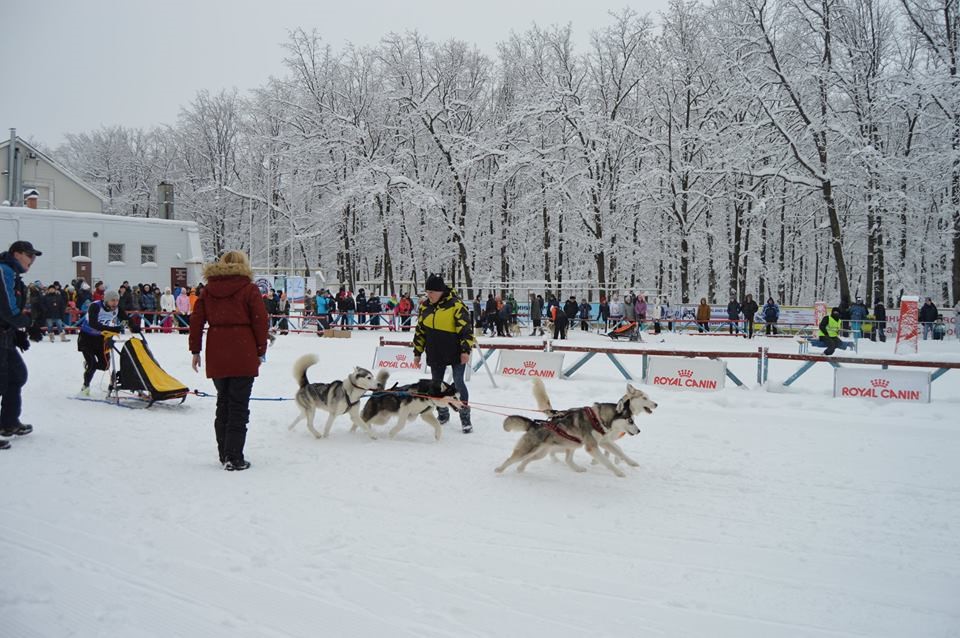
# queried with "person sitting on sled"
point(97, 328)
point(830, 334)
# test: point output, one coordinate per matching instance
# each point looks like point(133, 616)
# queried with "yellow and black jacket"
point(444, 331)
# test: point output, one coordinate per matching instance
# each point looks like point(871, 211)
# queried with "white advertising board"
point(527, 363)
point(295, 289)
point(396, 358)
point(702, 375)
point(882, 385)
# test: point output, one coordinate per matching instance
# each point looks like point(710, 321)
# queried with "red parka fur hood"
point(233, 310)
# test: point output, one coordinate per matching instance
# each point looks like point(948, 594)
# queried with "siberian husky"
point(407, 402)
point(336, 398)
point(594, 428)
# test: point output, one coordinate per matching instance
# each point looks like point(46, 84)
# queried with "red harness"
point(594, 422)
point(556, 429)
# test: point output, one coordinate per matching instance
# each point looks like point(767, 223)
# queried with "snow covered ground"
point(754, 513)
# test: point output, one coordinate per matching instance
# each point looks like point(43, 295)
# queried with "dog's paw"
point(632, 463)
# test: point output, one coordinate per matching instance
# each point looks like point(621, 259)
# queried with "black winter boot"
point(443, 415)
point(465, 420)
point(18, 429)
point(4, 444)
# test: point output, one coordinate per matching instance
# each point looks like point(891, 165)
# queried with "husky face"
point(636, 401)
point(363, 378)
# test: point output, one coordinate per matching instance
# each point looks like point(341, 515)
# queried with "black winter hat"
point(435, 283)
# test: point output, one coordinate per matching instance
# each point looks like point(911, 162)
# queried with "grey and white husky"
point(336, 398)
point(595, 428)
point(407, 402)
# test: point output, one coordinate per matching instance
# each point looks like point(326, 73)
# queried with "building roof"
point(46, 158)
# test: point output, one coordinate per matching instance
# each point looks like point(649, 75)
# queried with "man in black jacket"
point(16, 332)
point(749, 308)
point(733, 314)
point(880, 321)
point(928, 315)
point(53, 307)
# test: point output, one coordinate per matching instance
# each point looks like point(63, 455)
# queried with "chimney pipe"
point(10, 159)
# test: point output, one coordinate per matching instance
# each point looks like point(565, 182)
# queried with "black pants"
point(703, 326)
point(233, 414)
point(772, 325)
point(94, 358)
point(560, 328)
point(13, 376)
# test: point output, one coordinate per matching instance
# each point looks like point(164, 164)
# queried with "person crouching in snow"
point(830, 333)
point(97, 328)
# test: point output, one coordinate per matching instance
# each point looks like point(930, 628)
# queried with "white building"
point(56, 187)
point(110, 248)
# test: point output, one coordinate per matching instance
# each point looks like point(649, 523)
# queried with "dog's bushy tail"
point(300, 368)
point(382, 377)
point(540, 394)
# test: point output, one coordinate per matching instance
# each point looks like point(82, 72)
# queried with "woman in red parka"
point(236, 342)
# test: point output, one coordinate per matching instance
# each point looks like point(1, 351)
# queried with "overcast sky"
point(81, 64)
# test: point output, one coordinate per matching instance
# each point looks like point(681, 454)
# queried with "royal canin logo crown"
point(529, 364)
point(401, 357)
point(879, 383)
point(685, 373)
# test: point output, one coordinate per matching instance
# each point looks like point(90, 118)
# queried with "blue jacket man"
point(15, 329)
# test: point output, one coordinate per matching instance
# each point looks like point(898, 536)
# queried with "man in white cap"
point(16, 332)
point(99, 325)
point(445, 333)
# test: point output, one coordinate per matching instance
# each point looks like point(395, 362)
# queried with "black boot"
point(443, 415)
point(17, 429)
point(4, 444)
point(236, 466)
point(465, 423)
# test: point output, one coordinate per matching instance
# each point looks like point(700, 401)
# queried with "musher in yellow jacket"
point(445, 333)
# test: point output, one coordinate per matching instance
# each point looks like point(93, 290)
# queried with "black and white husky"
point(407, 402)
point(336, 398)
point(595, 428)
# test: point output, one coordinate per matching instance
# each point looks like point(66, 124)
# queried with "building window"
point(80, 249)
point(114, 252)
point(148, 254)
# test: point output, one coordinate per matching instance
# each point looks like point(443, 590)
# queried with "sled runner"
point(140, 373)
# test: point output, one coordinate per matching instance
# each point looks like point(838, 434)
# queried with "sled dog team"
point(594, 428)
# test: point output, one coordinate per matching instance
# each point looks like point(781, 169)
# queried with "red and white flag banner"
point(908, 327)
point(819, 312)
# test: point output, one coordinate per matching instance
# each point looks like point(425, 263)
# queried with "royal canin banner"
point(703, 375)
point(526, 363)
point(882, 385)
point(396, 358)
point(908, 326)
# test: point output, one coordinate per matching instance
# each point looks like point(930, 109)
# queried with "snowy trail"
point(752, 513)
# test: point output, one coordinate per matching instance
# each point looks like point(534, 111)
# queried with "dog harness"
point(556, 429)
point(594, 421)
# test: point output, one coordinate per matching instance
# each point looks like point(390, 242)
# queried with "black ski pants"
point(233, 414)
point(13, 376)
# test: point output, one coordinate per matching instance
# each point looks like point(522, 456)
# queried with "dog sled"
point(139, 374)
point(629, 331)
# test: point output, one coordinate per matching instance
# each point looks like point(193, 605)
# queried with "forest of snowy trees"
point(798, 149)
